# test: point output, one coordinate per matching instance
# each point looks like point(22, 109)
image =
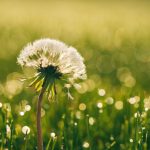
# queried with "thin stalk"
point(48, 145)
point(39, 106)
point(54, 142)
point(26, 140)
point(88, 132)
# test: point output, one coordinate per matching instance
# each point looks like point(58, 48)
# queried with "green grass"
point(113, 38)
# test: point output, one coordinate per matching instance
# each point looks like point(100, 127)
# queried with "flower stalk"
point(39, 106)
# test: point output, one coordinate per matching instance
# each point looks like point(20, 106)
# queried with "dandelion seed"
point(86, 145)
point(101, 92)
point(25, 130)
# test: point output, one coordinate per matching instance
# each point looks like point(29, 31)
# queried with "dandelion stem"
point(39, 106)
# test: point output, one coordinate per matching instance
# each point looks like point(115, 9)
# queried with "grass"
point(114, 40)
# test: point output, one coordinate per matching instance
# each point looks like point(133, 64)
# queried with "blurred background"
point(114, 39)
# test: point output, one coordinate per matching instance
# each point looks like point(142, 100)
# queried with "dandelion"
point(101, 92)
point(82, 107)
point(99, 105)
point(53, 60)
point(91, 121)
point(131, 140)
point(25, 130)
point(109, 100)
point(21, 113)
point(75, 123)
point(78, 115)
point(118, 105)
point(27, 107)
point(86, 144)
point(53, 135)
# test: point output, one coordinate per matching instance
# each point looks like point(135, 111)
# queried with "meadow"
point(111, 109)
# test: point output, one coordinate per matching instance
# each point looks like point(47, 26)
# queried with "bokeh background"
point(111, 109)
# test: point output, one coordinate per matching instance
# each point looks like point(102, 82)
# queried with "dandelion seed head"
point(44, 53)
point(99, 105)
point(82, 106)
point(53, 135)
point(27, 107)
point(78, 115)
point(21, 113)
point(86, 144)
point(25, 130)
point(109, 100)
point(91, 121)
point(101, 92)
point(118, 105)
point(131, 140)
point(75, 123)
point(134, 100)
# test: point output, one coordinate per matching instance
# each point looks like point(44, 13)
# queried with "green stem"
point(48, 145)
point(26, 140)
point(54, 142)
point(39, 106)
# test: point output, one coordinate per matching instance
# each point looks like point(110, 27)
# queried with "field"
point(111, 109)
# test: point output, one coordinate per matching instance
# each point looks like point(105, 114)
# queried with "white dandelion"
point(55, 57)
point(25, 130)
point(53, 60)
